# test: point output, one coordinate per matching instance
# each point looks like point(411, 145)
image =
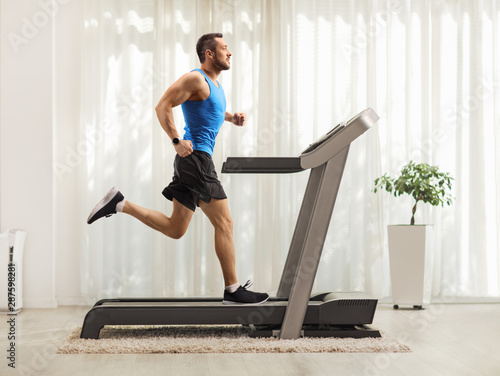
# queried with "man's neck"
point(210, 71)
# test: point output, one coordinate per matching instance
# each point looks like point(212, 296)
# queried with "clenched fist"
point(184, 148)
point(239, 118)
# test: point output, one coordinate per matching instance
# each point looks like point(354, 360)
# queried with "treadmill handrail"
point(261, 165)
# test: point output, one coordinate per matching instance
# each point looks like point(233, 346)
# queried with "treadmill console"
point(325, 137)
point(337, 139)
point(331, 133)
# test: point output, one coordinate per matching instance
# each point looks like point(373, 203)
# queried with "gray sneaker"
point(107, 206)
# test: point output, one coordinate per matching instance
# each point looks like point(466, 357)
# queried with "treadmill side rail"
point(254, 165)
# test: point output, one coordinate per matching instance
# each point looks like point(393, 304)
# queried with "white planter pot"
point(411, 262)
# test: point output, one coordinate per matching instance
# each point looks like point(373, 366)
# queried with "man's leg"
point(174, 227)
point(217, 212)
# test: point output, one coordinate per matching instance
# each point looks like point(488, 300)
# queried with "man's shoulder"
point(192, 85)
point(194, 76)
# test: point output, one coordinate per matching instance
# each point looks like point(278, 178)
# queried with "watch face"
point(175, 141)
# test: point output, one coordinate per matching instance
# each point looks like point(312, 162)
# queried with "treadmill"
point(293, 313)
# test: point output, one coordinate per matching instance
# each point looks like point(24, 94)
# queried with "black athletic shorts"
point(194, 179)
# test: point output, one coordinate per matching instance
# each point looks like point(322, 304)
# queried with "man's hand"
point(184, 148)
point(239, 119)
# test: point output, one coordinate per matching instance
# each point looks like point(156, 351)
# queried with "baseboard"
point(452, 300)
point(72, 301)
point(39, 303)
point(466, 300)
point(54, 303)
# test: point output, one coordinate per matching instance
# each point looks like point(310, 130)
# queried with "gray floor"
point(447, 339)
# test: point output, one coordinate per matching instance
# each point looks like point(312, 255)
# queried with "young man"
point(195, 182)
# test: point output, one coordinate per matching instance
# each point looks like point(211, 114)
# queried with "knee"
point(176, 233)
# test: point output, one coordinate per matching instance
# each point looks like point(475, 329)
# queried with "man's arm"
point(238, 118)
point(179, 92)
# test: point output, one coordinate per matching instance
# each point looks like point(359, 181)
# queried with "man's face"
point(222, 55)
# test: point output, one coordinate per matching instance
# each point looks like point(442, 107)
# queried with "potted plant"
point(411, 246)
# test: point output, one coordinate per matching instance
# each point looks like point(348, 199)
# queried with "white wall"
point(67, 212)
point(26, 131)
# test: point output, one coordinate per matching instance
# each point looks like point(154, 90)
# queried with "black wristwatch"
point(175, 141)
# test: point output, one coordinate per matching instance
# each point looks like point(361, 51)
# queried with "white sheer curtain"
point(116, 122)
point(299, 68)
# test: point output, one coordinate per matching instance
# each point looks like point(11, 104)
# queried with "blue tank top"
point(204, 118)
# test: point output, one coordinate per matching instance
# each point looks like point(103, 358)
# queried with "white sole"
point(107, 198)
point(229, 302)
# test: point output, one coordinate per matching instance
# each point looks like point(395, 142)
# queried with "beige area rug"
point(214, 339)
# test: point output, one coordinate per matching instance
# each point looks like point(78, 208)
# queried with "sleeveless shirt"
point(204, 118)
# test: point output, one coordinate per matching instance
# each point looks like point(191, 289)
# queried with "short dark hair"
point(206, 42)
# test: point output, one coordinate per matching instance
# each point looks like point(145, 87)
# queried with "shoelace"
point(248, 284)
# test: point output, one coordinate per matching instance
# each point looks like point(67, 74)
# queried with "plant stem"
point(412, 222)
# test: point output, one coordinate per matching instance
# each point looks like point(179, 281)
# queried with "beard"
point(222, 64)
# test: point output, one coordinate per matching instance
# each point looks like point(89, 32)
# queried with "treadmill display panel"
point(325, 137)
point(330, 134)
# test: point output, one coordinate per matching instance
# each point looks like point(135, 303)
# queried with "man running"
point(195, 181)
